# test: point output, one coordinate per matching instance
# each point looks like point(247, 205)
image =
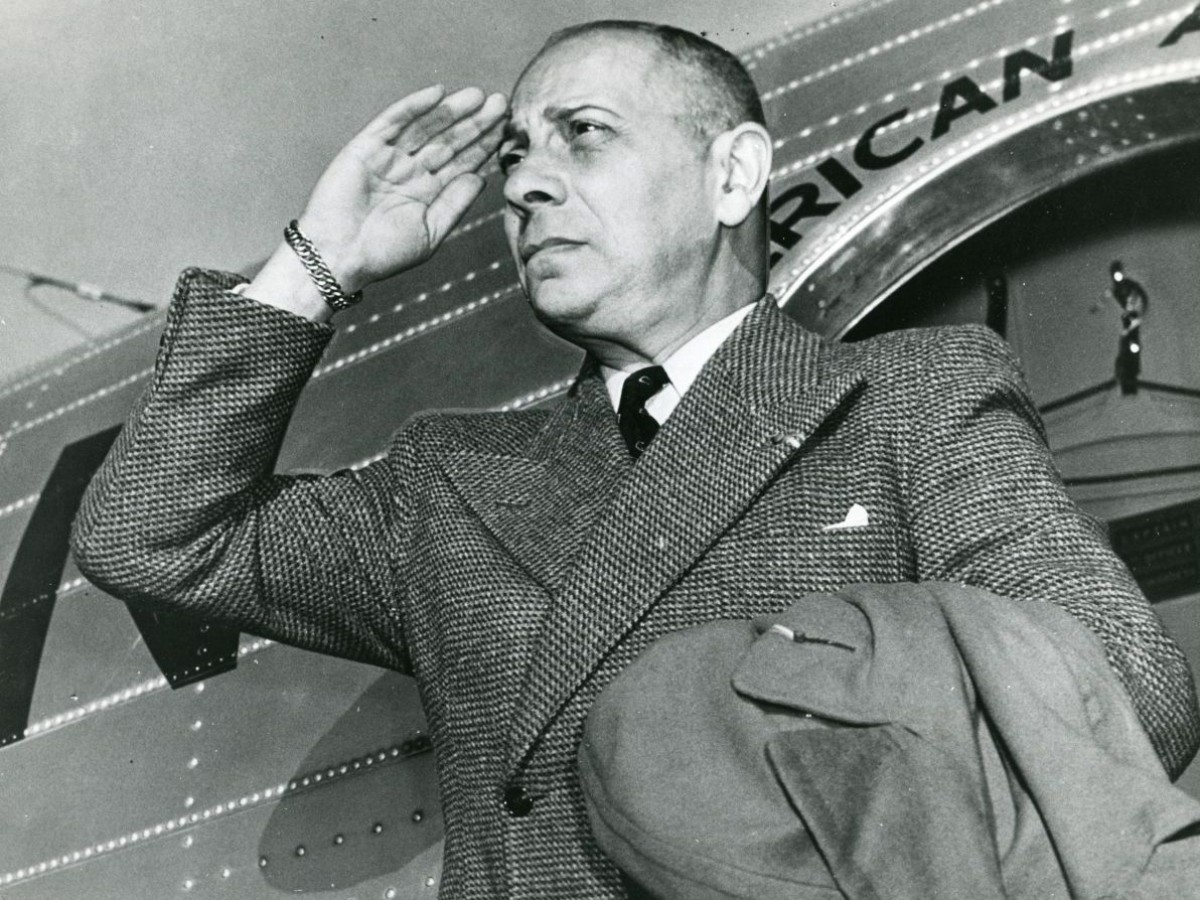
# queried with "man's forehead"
point(601, 64)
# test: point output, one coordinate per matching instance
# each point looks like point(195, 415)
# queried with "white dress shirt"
point(681, 367)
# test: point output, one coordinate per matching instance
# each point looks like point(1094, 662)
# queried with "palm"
point(393, 193)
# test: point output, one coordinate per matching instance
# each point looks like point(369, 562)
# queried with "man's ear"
point(743, 159)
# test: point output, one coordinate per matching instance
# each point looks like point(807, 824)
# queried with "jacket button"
point(517, 801)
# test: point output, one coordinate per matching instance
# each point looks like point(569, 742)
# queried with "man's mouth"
point(529, 248)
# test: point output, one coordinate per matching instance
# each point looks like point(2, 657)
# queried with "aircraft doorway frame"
point(978, 180)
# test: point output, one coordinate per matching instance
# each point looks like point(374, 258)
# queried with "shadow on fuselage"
point(336, 828)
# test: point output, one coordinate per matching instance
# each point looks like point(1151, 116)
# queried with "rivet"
point(430, 881)
point(300, 851)
point(377, 828)
point(188, 841)
point(339, 839)
point(189, 802)
point(226, 872)
point(418, 815)
point(193, 762)
point(389, 894)
point(189, 884)
point(262, 862)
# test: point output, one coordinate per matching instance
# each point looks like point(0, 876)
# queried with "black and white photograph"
point(598, 450)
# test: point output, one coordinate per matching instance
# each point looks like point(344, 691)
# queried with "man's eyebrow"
point(561, 113)
point(511, 132)
point(557, 114)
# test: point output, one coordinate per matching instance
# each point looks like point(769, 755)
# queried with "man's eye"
point(509, 160)
point(580, 127)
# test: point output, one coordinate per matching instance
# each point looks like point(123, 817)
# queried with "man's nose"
point(535, 181)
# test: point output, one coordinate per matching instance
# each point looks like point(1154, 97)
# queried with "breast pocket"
point(852, 542)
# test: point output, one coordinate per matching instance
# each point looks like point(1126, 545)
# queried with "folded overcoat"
point(900, 741)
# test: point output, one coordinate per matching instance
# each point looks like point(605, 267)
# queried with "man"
point(515, 563)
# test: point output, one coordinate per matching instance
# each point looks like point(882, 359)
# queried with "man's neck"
point(683, 366)
point(652, 343)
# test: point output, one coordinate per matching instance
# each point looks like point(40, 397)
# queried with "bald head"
point(714, 89)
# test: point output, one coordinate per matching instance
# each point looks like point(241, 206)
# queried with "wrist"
point(335, 252)
point(283, 282)
point(318, 270)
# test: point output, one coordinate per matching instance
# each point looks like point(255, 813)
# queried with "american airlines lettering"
point(837, 180)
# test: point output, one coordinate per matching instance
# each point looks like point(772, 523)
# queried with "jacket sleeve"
point(186, 514)
point(987, 508)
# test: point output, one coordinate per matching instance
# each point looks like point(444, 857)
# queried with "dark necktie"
point(638, 427)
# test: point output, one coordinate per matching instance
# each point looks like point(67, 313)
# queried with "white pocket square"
point(857, 517)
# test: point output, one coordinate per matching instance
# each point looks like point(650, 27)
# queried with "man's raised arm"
point(390, 197)
point(186, 512)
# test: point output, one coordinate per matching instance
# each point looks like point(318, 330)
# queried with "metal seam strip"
point(415, 746)
point(1098, 44)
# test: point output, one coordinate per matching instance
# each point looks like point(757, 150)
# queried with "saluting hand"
point(393, 193)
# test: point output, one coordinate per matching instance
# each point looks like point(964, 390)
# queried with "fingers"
point(467, 132)
point(400, 114)
point(448, 207)
point(472, 157)
point(452, 109)
point(465, 146)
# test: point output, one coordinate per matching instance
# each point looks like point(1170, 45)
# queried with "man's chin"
point(557, 302)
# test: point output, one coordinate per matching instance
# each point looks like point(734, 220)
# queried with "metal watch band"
point(318, 271)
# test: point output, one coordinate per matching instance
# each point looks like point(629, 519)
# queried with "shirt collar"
point(684, 365)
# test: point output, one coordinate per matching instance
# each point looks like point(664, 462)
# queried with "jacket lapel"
point(755, 404)
point(541, 504)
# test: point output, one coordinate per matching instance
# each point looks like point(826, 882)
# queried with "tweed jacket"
point(515, 562)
